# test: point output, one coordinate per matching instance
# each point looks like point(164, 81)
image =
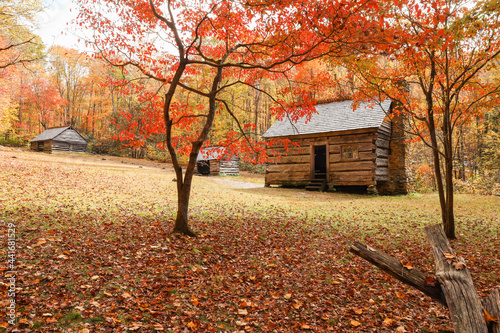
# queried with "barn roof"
point(211, 153)
point(51, 133)
point(332, 117)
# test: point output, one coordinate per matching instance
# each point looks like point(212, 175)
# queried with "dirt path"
point(237, 184)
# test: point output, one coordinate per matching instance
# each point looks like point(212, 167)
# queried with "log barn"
point(340, 148)
point(217, 161)
point(60, 139)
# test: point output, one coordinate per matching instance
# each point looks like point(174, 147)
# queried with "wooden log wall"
point(214, 167)
point(296, 164)
point(68, 146)
point(382, 150)
point(230, 167)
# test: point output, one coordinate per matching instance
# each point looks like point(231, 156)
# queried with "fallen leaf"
point(191, 325)
point(430, 281)
point(490, 318)
point(407, 265)
point(387, 322)
point(458, 265)
point(158, 327)
point(355, 323)
point(126, 295)
point(304, 326)
point(288, 296)
point(358, 311)
point(135, 326)
point(242, 312)
point(449, 257)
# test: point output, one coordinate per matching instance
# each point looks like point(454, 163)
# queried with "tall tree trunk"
point(184, 181)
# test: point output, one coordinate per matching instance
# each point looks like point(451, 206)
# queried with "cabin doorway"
point(320, 169)
point(203, 167)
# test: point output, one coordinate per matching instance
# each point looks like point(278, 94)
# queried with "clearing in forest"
point(94, 250)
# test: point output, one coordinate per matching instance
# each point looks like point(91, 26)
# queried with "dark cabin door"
point(320, 162)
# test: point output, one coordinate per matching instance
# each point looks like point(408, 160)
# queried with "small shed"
point(217, 161)
point(60, 139)
point(340, 147)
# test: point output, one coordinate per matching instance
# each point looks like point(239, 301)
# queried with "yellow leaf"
point(191, 325)
point(355, 323)
point(304, 326)
point(387, 322)
point(400, 295)
point(288, 296)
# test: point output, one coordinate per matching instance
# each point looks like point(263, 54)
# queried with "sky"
point(53, 28)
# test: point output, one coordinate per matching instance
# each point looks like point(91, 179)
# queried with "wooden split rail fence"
point(452, 286)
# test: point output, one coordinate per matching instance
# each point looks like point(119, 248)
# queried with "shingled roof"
point(333, 117)
point(212, 153)
point(51, 133)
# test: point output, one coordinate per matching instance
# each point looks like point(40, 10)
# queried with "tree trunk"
point(184, 182)
point(448, 215)
point(181, 221)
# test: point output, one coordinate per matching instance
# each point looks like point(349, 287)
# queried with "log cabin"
point(217, 161)
point(341, 148)
point(59, 139)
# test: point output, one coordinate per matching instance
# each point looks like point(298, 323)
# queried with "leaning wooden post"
point(491, 305)
point(456, 283)
point(393, 267)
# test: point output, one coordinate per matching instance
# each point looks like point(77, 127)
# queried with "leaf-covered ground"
point(95, 252)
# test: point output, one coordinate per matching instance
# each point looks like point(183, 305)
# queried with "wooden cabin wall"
point(68, 146)
point(230, 167)
point(394, 179)
point(353, 172)
point(46, 145)
point(383, 151)
point(214, 167)
point(295, 167)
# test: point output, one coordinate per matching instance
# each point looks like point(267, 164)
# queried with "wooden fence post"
point(453, 284)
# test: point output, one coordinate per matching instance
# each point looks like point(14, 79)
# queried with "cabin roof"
point(52, 133)
point(211, 153)
point(332, 117)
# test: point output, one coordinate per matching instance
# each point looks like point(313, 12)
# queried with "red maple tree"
point(207, 47)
